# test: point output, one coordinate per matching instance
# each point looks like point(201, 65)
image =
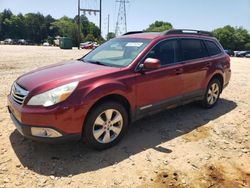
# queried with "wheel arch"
point(114, 98)
point(219, 77)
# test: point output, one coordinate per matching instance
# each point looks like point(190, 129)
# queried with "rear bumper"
point(25, 130)
point(227, 77)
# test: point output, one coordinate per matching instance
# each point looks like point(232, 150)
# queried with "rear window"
point(192, 49)
point(212, 48)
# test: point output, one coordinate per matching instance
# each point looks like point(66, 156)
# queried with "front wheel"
point(106, 125)
point(212, 94)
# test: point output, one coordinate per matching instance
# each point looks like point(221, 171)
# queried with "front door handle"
point(178, 71)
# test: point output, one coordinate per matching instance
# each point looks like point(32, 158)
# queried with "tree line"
point(38, 28)
point(234, 38)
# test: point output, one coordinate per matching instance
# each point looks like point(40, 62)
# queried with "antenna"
point(121, 24)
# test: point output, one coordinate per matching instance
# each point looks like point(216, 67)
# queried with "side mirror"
point(151, 63)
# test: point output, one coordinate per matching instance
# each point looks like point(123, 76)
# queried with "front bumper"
point(25, 130)
point(42, 120)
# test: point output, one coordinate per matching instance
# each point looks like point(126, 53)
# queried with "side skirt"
point(172, 102)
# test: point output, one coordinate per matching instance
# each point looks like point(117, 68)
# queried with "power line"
point(89, 10)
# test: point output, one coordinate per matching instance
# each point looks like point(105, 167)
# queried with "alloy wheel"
point(107, 126)
point(213, 94)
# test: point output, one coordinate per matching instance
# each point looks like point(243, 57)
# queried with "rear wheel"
point(212, 94)
point(106, 125)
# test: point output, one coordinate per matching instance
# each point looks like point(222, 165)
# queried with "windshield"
point(119, 52)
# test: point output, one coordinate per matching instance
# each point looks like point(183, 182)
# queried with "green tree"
point(22, 27)
point(242, 37)
point(90, 37)
point(36, 27)
point(247, 46)
point(14, 27)
point(84, 25)
point(87, 28)
point(6, 14)
point(232, 37)
point(48, 22)
point(50, 40)
point(110, 35)
point(64, 26)
point(226, 36)
point(74, 34)
point(94, 30)
point(159, 26)
point(1, 26)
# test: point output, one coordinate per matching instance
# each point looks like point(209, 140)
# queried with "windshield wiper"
point(95, 62)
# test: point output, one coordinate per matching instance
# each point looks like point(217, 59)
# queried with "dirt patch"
point(225, 175)
point(217, 176)
point(199, 134)
point(7, 67)
point(168, 179)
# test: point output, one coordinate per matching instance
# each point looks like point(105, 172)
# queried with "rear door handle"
point(208, 64)
point(178, 71)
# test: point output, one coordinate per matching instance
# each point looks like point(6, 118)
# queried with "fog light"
point(45, 132)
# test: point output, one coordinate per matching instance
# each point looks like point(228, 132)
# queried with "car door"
point(160, 87)
point(195, 67)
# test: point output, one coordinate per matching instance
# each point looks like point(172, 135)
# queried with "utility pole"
point(121, 24)
point(79, 25)
point(90, 11)
point(100, 18)
point(108, 24)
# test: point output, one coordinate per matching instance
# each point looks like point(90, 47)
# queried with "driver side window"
point(166, 51)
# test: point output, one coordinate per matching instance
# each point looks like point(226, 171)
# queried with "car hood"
point(62, 73)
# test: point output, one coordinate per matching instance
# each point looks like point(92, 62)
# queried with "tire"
point(106, 125)
point(212, 94)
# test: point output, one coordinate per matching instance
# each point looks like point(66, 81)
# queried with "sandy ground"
point(183, 147)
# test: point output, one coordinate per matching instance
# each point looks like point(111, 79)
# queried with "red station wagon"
point(137, 74)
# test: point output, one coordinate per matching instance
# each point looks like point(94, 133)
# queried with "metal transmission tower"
point(121, 24)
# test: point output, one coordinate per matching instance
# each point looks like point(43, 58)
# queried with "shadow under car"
point(75, 158)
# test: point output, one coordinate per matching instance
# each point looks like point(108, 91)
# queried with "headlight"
point(53, 96)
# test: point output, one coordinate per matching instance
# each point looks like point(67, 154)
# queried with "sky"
point(188, 14)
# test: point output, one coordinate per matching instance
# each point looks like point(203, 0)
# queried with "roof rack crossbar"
point(132, 32)
point(187, 31)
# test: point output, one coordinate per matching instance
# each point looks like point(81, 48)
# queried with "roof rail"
point(133, 32)
point(187, 31)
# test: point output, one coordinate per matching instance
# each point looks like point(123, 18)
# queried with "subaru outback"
point(96, 97)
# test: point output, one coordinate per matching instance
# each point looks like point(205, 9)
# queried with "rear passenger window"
point(212, 48)
point(166, 52)
point(192, 49)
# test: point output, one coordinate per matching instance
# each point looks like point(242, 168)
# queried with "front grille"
point(18, 94)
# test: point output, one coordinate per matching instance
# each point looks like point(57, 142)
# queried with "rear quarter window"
point(212, 48)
